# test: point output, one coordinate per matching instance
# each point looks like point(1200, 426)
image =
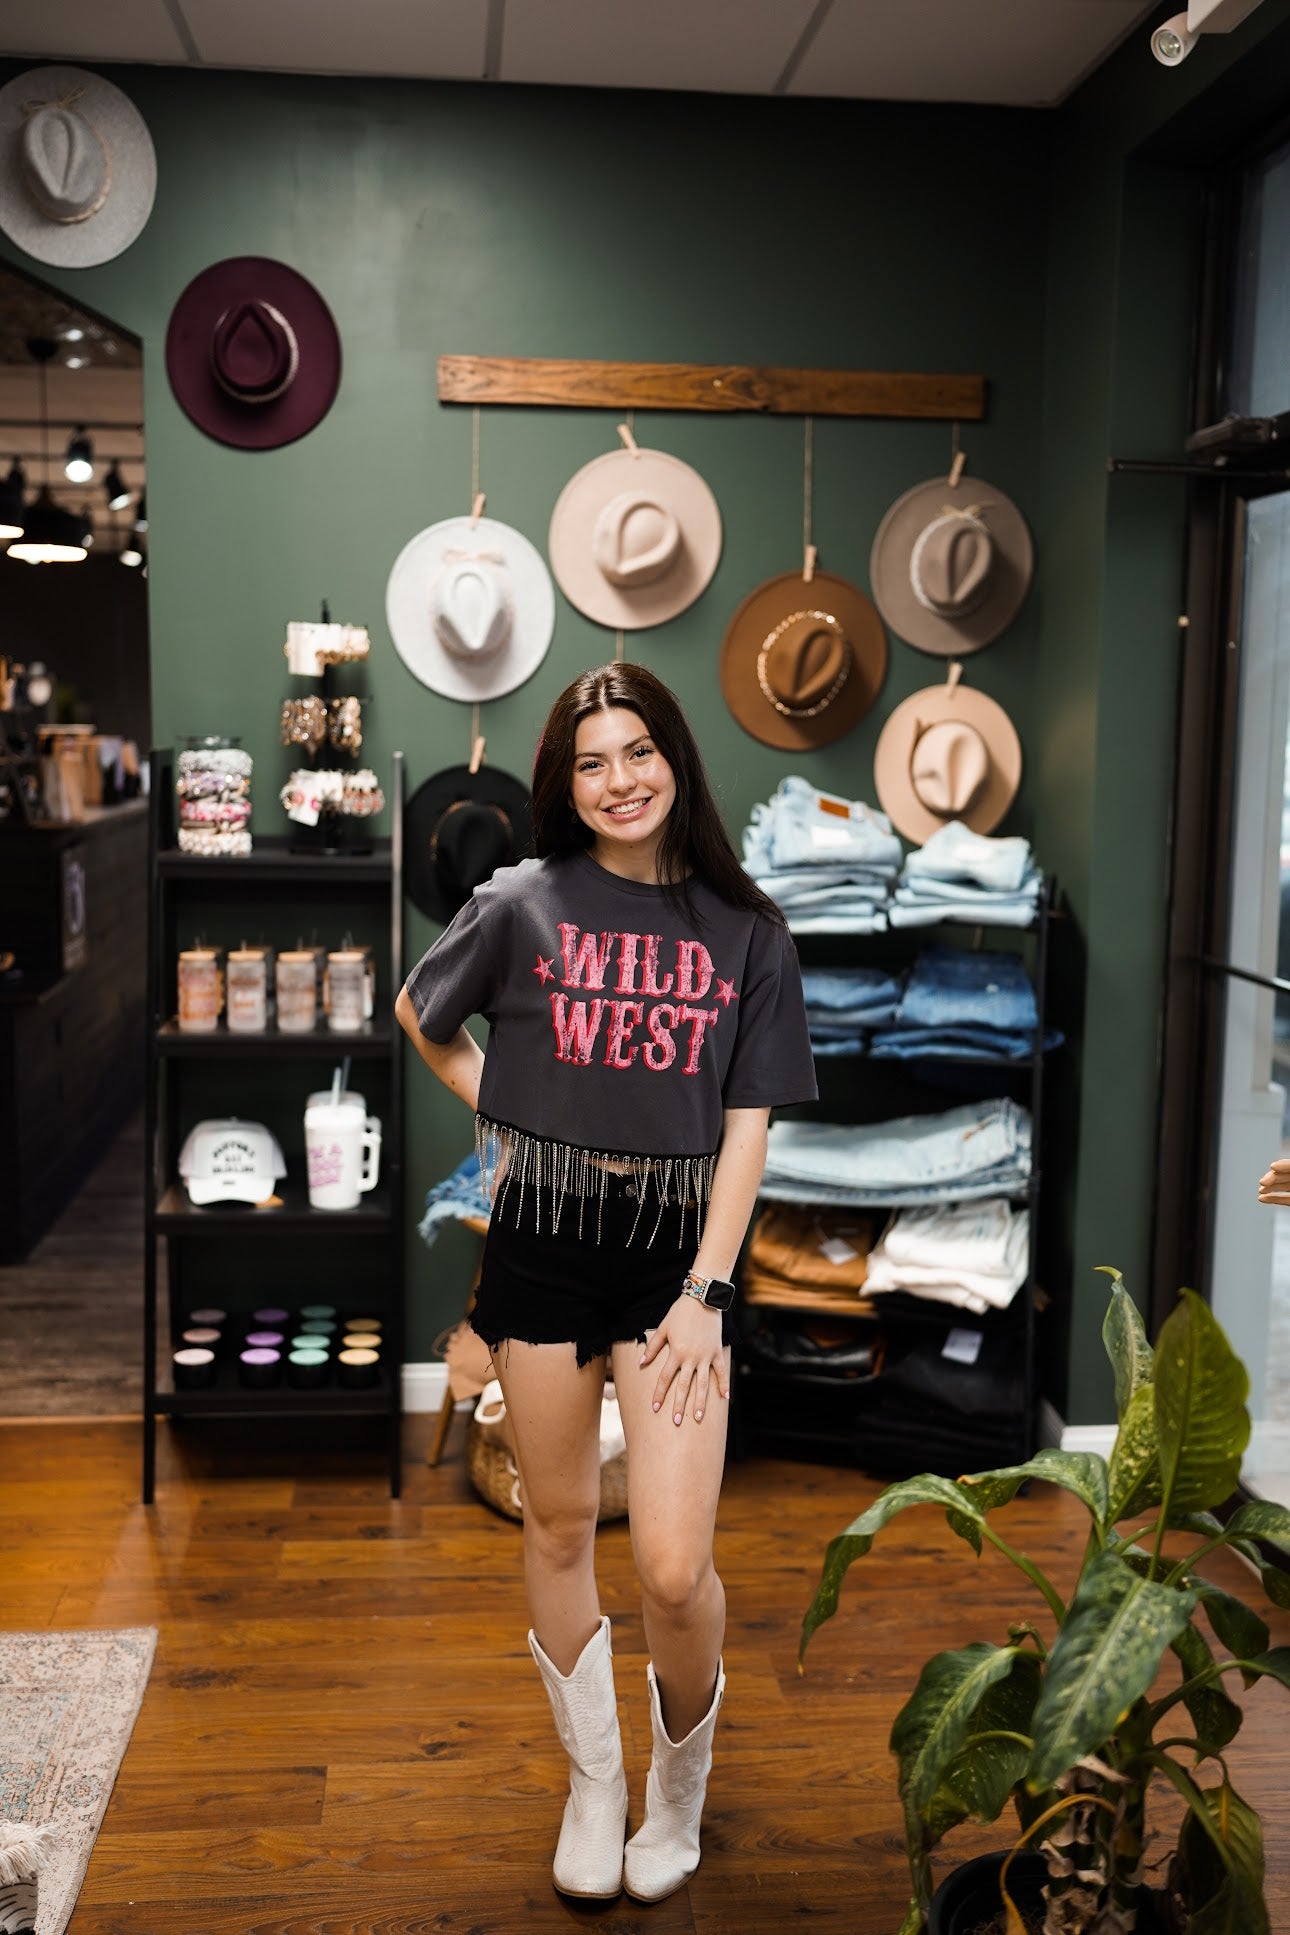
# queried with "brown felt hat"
point(951, 565)
point(802, 661)
point(947, 753)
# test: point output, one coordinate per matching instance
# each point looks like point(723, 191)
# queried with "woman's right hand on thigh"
point(687, 1348)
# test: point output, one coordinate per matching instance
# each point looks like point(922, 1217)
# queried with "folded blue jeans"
point(963, 1144)
point(957, 987)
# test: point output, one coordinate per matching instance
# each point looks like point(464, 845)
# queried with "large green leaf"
point(1202, 1425)
point(843, 1551)
point(982, 1775)
point(1274, 1665)
point(1225, 1896)
point(1106, 1654)
point(1126, 1344)
point(1080, 1472)
point(1216, 1718)
point(934, 1722)
point(1261, 1519)
point(1235, 1626)
point(1134, 1470)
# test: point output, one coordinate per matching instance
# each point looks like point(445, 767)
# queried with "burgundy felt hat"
point(253, 353)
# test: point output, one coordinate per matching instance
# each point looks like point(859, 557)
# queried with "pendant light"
point(118, 491)
point(13, 517)
point(51, 535)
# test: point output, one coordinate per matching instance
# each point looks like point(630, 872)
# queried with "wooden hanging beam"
point(709, 386)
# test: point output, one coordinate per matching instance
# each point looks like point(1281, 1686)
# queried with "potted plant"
point(1060, 1719)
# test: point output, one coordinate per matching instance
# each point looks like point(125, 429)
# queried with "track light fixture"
point(132, 555)
point(51, 535)
point(12, 512)
point(141, 515)
point(118, 491)
point(79, 468)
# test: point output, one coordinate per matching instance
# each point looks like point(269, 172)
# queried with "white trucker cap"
point(231, 1161)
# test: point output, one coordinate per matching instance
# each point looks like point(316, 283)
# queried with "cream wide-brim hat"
point(635, 538)
point(970, 767)
point(130, 154)
point(892, 561)
point(516, 632)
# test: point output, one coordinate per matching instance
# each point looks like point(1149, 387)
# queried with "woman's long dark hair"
point(695, 841)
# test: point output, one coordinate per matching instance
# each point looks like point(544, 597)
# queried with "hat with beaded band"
point(803, 660)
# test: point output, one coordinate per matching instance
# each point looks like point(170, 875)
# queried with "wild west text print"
point(642, 1002)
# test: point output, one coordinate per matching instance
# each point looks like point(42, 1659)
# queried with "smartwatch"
point(713, 1291)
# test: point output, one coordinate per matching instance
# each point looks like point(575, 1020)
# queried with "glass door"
point(1249, 1264)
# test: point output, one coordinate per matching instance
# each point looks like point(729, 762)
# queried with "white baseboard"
point(424, 1386)
point(1054, 1430)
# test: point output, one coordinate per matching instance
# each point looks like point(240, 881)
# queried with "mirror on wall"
point(73, 545)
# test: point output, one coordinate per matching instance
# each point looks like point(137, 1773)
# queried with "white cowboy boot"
point(666, 1850)
point(589, 1854)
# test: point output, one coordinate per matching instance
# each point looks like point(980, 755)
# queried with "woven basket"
point(491, 1470)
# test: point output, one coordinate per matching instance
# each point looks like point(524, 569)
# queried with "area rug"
point(68, 1704)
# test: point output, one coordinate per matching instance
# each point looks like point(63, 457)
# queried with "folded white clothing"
point(961, 1298)
point(977, 1235)
point(987, 911)
point(954, 852)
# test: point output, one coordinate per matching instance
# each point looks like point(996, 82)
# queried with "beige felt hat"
point(635, 538)
point(947, 753)
point(79, 172)
point(951, 565)
point(802, 661)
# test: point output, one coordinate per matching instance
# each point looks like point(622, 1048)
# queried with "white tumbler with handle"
point(343, 1152)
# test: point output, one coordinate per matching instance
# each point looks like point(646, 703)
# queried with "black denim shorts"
point(608, 1272)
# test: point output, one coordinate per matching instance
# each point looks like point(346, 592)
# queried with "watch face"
point(719, 1296)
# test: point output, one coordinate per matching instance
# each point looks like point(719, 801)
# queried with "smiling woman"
point(645, 1013)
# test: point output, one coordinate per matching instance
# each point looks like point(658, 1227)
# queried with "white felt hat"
point(471, 607)
point(635, 538)
point(77, 168)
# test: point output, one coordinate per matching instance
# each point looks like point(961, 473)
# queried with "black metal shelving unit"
point(837, 1423)
point(269, 1248)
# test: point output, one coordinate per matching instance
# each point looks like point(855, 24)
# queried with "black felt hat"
point(458, 828)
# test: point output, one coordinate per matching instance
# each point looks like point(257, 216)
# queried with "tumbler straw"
point(335, 1086)
point(344, 1075)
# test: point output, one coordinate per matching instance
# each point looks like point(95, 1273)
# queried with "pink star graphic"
point(543, 969)
point(725, 991)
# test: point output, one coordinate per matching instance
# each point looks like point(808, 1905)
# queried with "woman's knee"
point(676, 1582)
point(562, 1535)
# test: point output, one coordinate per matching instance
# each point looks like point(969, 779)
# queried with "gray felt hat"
point(77, 167)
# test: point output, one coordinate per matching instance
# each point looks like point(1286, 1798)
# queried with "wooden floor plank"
point(344, 1733)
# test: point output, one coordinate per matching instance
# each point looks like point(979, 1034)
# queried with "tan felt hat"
point(947, 753)
point(951, 566)
point(635, 538)
point(802, 662)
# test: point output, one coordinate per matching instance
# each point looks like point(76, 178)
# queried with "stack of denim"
point(829, 863)
point(844, 1004)
point(958, 1003)
point(458, 1197)
point(961, 875)
point(973, 1255)
point(980, 1149)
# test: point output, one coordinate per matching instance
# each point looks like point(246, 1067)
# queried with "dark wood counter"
point(74, 911)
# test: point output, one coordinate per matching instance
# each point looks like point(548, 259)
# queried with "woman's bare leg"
point(673, 1485)
point(554, 1411)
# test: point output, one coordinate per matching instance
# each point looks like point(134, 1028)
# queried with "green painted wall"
point(549, 223)
point(541, 222)
point(1132, 152)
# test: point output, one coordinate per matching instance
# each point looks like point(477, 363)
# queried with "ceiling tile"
point(444, 39)
point(691, 44)
point(86, 30)
point(1019, 52)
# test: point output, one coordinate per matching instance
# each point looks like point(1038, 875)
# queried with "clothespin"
point(477, 508)
point(477, 753)
point(629, 441)
point(956, 468)
point(955, 674)
point(808, 564)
